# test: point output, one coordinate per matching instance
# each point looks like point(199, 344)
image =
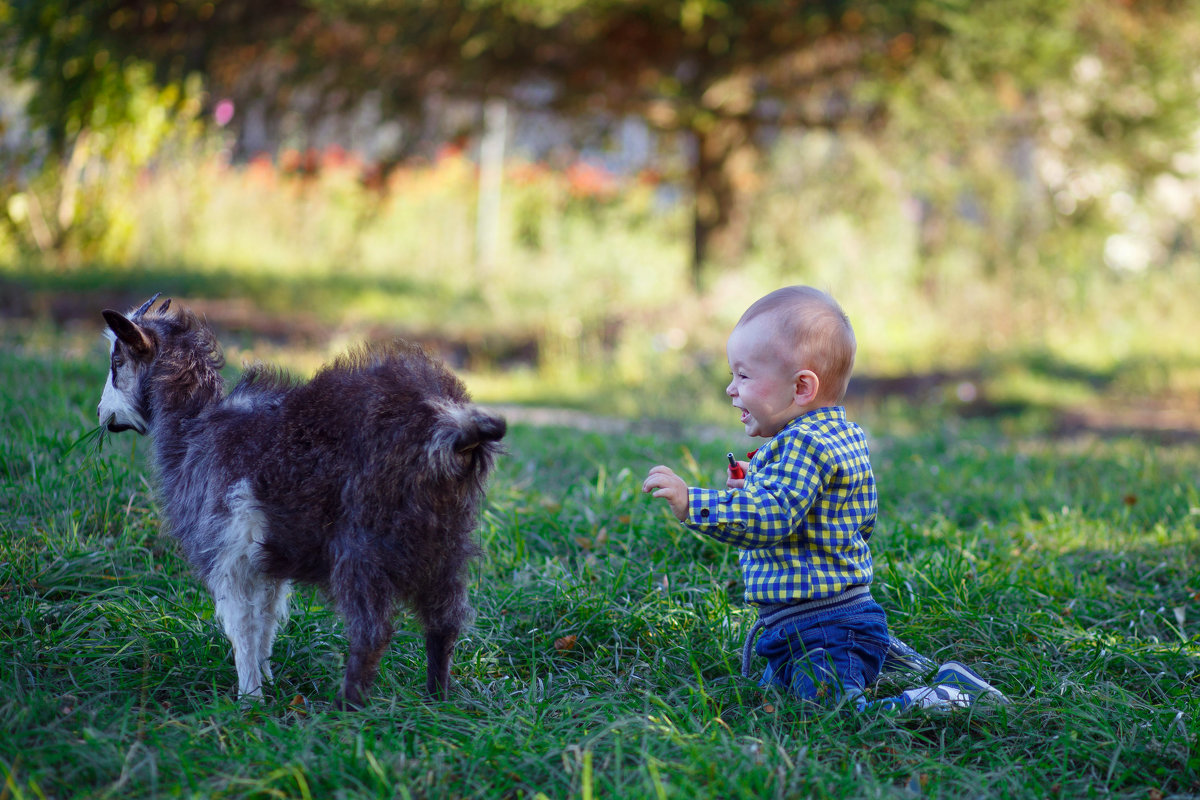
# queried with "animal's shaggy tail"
point(478, 427)
point(461, 430)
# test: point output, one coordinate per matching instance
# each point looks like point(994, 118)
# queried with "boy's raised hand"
point(663, 482)
point(736, 483)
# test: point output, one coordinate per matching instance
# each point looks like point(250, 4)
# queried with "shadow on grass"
point(297, 311)
point(68, 295)
point(308, 311)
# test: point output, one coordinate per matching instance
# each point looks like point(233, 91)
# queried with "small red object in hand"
point(735, 469)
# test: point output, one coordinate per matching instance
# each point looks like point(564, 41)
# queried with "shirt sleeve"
point(772, 505)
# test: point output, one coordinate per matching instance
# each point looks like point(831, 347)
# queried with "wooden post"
point(491, 177)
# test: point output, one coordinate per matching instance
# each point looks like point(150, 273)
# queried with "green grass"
point(1066, 571)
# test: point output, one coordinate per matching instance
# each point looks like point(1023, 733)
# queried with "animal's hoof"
point(344, 703)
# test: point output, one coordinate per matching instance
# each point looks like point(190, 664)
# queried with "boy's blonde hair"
point(813, 333)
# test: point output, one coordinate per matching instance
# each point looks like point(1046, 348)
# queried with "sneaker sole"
point(974, 683)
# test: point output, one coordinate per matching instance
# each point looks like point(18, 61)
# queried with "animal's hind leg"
point(443, 612)
point(365, 600)
point(439, 647)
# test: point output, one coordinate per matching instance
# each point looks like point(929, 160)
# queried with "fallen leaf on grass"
point(587, 542)
point(565, 642)
point(299, 704)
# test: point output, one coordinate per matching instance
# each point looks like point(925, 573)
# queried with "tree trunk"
point(723, 179)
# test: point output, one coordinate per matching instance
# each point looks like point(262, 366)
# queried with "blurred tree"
point(725, 72)
point(719, 70)
point(1058, 126)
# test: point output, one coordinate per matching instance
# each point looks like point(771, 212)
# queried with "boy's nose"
point(729, 390)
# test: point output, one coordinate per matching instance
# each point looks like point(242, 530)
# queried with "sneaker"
point(940, 696)
point(901, 657)
point(930, 697)
point(962, 677)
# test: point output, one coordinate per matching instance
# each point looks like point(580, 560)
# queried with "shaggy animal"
point(366, 481)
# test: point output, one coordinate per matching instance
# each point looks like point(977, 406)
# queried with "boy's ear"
point(808, 387)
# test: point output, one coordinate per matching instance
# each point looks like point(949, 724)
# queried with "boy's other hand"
point(736, 483)
point(663, 482)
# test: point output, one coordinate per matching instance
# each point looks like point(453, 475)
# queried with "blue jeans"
point(824, 657)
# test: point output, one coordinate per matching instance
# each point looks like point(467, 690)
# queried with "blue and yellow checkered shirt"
point(803, 519)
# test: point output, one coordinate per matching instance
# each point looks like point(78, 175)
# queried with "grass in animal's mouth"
point(95, 437)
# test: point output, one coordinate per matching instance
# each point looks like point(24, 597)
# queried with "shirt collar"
point(824, 414)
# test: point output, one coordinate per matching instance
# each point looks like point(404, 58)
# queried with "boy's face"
point(764, 385)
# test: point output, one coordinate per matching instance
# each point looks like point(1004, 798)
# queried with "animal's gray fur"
point(366, 480)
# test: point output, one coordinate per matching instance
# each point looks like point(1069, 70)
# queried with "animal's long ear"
point(130, 333)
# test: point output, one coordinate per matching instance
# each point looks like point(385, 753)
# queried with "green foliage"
point(705, 68)
point(1102, 94)
point(83, 83)
point(77, 208)
point(604, 659)
point(1064, 138)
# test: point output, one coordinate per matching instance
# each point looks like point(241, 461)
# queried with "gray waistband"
point(773, 616)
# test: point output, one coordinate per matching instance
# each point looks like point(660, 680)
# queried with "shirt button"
point(704, 512)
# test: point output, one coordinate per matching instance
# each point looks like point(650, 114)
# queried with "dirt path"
point(1161, 419)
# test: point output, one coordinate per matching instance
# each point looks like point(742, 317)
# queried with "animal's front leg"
point(272, 608)
point(242, 628)
point(250, 606)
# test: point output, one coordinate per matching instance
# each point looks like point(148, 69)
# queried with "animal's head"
point(123, 403)
point(150, 345)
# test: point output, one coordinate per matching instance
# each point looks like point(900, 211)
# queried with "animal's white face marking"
point(117, 410)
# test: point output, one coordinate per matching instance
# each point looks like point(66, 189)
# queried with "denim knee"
point(824, 660)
